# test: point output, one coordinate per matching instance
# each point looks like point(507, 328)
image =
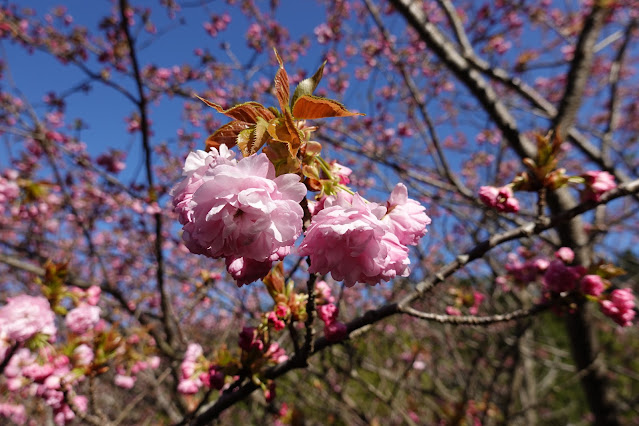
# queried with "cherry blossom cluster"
point(198, 372)
point(334, 330)
point(502, 199)
point(559, 276)
point(41, 371)
point(38, 363)
point(243, 212)
point(543, 175)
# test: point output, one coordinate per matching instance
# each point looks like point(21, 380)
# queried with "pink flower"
point(195, 170)
point(250, 340)
point(16, 413)
point(23, 316)
point(477, 299)
point(335, 331)
point(37, 372)
point(93, 295)
point(125, 382)
point(243, 210)
point(620, 307)
point(502, 199)
point(245, 270)
point(323, 293)
point(82, 318)
point(592, 285)
point(189, 386)
point(276, 353)
point(405, 217)
point(193, 352)
point(328, 313)
point(277, 323)
point(112, 161)
point(83, 354)
point(452, 311)
point(565, 254)
point(342, 172)
point(597, 183)
point(349, 240)
point(559, 277)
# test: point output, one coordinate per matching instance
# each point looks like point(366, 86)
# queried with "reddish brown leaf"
point(282, 89)
point(308, 85)
point(284, 130)
point(309, 107)
point(247, 112)
point(226, 134)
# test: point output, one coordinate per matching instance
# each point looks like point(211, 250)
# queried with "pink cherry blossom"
point(592, 285)
point(349, 240)
point(323, 293)
point(245, 270)
point(335, 331)
point(16, 413)
point(405, 217)
point(565, 254)
point(189, 386)
point(559, 277)
point(83, 354)
point(276, 322)
point(125, 382)
point(341, 172)
point(250, 340)
point(242, 210)
point(597, 183)
point(93, 295)
point(502, 199)
point(276, 353)
point(620, 306)
point(82, 318)
point(23, 316)
point(328, 313)
point(196, 166)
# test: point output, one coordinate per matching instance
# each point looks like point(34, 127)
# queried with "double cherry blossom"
point(243, 212)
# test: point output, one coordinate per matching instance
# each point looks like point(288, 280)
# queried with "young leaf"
point(226, 134)
point(284, 130)
point(282, 90)
point(308, 86)
point(309, 107)
point(247, 112)
point(251, 140)
point(280, 156)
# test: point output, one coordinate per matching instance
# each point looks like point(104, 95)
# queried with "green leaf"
point(308, 85)
point(251, 140)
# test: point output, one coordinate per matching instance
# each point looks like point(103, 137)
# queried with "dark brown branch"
point(579, 71)
point(171, 327)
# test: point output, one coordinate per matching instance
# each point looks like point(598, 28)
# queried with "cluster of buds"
point(559, 276)
point(543, 175)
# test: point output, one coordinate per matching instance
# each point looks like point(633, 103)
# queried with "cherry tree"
point(358, 212)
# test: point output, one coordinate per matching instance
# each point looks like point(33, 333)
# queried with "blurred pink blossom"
point(620, 306)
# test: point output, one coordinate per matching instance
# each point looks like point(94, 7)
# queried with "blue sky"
point(103, 108)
